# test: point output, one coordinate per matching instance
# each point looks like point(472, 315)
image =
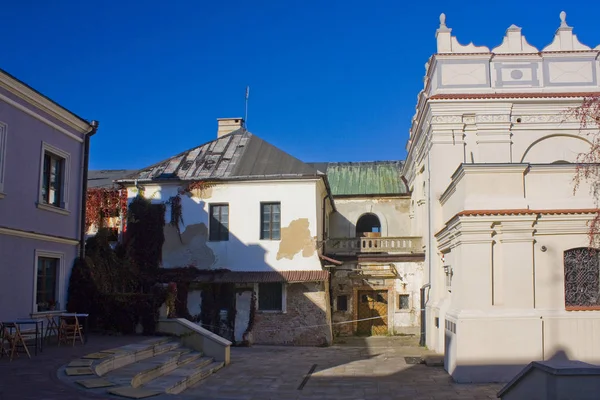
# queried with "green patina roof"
point(364, 178)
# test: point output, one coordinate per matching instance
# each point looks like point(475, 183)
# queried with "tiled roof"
point(237, 155)
point(364, 178)
point(477, 96)
point(264, 277)
point(104, 178)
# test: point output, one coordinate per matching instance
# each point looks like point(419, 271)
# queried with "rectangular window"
point(219, 222)
point(270, 221)
point(52, 179)
point(404, 302)
point(46, 289)
point(2, 156)
point(270, 296)
point(342, 303)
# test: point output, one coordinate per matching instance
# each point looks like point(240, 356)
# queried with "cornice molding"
point(37, 236)
point(37, 100)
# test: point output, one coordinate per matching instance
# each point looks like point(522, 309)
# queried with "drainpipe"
point(422, 340)
point(86, 158)
point(324, 219)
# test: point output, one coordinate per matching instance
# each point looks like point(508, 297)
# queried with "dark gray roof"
point(104, 178)
point(237, 155)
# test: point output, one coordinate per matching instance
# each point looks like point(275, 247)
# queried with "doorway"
point(372, 304)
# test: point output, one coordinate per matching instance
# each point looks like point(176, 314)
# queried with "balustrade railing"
point(374, 245)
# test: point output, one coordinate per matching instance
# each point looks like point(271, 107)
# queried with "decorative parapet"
point(564, 40)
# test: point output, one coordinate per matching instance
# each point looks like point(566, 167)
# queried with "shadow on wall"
point(235, 293)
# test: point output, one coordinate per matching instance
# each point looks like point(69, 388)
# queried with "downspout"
point(423, 339)
point(86, 158)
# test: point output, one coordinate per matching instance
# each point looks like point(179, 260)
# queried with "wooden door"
point(372, 304)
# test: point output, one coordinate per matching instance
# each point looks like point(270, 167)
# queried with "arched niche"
point(559, 149)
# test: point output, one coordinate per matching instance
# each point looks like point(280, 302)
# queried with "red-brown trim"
point(476, 96)
point(582, 308)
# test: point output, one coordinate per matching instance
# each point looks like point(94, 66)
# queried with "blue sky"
point(329, 80)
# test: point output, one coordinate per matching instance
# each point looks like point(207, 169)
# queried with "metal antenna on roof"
point(246, 113)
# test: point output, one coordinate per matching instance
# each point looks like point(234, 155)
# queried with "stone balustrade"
point(392, 245)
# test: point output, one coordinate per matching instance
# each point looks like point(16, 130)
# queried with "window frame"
point(399, 306)
point(210, 223)
point(63, 208)
point(283, 299)
point(60, 273)
point(270, 204)
point(3, 152)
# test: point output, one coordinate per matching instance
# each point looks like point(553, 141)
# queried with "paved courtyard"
point(373, 368)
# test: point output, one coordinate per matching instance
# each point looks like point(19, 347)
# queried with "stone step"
point(144, 371)
point(129, 354)
point(185, 376)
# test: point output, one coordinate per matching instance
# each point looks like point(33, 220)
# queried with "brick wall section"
point(307, 305)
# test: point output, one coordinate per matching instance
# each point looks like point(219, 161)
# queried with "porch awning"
point(263, 277)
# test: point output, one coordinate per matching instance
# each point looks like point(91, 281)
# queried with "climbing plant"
point(102, 203)
point(145, 234)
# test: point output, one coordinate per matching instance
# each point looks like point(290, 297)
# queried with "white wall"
point(244, 251)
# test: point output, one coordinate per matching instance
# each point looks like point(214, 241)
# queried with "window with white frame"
point(270, 221)
point(3, 139)
point(48, 268)
point(54, 177)
point(271, 296)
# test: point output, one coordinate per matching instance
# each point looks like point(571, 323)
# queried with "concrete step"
point(185, 376)
point(141, 372)
point(129, 354)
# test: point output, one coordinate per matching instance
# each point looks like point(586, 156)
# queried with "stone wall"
point(307, 305)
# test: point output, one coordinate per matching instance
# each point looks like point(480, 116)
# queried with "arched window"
point(582, 278)
point(368, 225)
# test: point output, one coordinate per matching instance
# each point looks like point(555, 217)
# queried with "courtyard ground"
point(355, 368)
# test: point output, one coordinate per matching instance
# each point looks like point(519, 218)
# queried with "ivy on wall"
point(103, 203)
point(145, 235)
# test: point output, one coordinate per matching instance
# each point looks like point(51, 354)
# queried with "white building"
point(256, 228)
point(490, 168)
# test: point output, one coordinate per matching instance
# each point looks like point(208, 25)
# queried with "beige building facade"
point(490, 167)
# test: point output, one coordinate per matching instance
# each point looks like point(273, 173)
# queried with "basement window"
point(342, 303)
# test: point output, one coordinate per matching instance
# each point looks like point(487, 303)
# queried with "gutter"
point(84, 185)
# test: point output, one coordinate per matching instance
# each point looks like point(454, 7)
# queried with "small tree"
point(588, 163)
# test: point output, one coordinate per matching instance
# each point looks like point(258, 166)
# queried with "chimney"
point(228, 125)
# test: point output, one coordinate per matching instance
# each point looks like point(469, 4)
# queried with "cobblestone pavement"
point(372, 368)
point(36, 378)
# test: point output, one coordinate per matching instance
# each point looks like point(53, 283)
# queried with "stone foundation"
point(307, 304)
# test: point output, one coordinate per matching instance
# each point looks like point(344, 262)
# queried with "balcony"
point(386, 245)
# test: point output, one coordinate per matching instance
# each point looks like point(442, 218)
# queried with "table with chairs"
point(18, 337)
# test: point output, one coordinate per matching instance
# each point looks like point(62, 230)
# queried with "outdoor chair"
point(69, 330)
point(14, 340)
point(52, 327)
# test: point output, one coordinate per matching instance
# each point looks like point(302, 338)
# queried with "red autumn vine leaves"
point(103, 203)
point(588, 163)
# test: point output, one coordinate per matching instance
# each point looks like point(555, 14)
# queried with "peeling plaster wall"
point(244, 251)
point(393, 214)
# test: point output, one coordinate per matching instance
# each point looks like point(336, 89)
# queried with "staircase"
point(155, 366)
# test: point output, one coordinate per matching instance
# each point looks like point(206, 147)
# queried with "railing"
point(374, 245)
